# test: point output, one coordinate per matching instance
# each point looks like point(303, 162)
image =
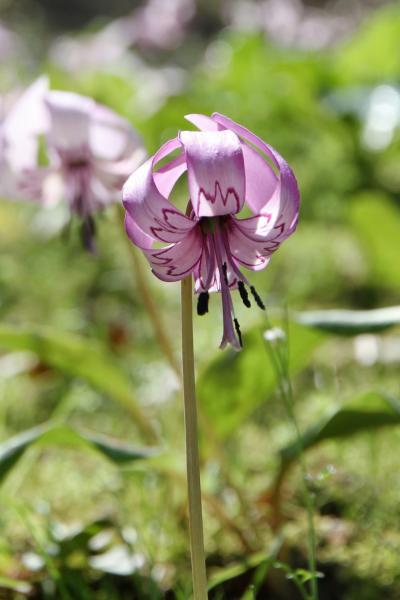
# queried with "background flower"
point(21, 123)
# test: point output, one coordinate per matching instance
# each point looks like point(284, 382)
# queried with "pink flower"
point(227, 166)
point(21, 122)
point(90, 152)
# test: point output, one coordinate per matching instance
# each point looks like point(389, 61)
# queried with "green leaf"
point(376, 221)
point(22, 587)
point(351, 322)
point(82, 358)
point(235, 383)
point(371, 55)
point(370, 411)
point(116, 451)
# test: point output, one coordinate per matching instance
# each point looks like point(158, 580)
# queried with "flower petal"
point(215, 170)
point(26, 120)
point(150, 210)
point(289, 198)
point(252, 241)
point(69, 119)
point(203, 122)
point(176, 261)
point(262, 184)
point(110, 136)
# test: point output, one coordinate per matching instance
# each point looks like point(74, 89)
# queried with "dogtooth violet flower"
point(227, 167)
point(90, 153)
point(21, 122)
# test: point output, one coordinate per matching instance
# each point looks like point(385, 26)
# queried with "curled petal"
point(150, 210)
point(26, 120)
point(69, 119)
point(203, 122)
point(110, 136)
point(247, 246)
point(172, 262)
point(215, 170)
point(289, 198)
point(176, 261)
point(136, 235)
point(166, 177)
point(262, 184)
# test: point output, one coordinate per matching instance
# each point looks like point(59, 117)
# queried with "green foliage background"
point(78, 354)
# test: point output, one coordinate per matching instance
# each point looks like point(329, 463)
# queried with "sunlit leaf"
point(79, 357)
point(351, 322)
point(372, 53)
point(118, 452)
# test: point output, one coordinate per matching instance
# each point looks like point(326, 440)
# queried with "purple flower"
point(90, 152)
point(21, 122)
point(227, 167)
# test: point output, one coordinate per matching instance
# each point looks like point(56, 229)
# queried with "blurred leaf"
point(351, 322)
point(118, 452)
point(251, 562)
point(81, 358)
point(22, 587)
point(369, 411)
point(376, 221)
point(372, 54)
point(235, 383)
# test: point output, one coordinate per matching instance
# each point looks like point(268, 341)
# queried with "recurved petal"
point(176, 261)
point(289, 198)
point(150, 210)
point(136, 235)
point(203, 122)
point(28, 115)
point(215, 172)
point(110, 136)
point(26, 120)
point(262, 184)
point(252, 241)
point(70, 116)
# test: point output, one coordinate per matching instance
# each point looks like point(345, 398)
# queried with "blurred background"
point(92, 500)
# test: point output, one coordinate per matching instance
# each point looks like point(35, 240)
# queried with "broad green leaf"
point(118, 452)
point(370, 411)
point(235, 383)
point(82, 358)
point(351, 322)
point(376, 221)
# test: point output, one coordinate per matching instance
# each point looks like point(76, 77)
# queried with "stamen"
point(239, 333)
point(257, 298)
point(88, 232)
point(225, 272)
point(202, 303)
point(243, 294)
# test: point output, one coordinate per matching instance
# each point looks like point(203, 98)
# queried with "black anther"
point(239, 333)
point(202, 303)
point(257, 298)
point(243, 294)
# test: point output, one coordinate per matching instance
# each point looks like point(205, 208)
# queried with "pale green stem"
point(192, 446)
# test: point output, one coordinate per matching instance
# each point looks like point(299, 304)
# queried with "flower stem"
point(192, 446)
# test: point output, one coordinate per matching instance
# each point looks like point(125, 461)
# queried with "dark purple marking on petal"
point(212, 197)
